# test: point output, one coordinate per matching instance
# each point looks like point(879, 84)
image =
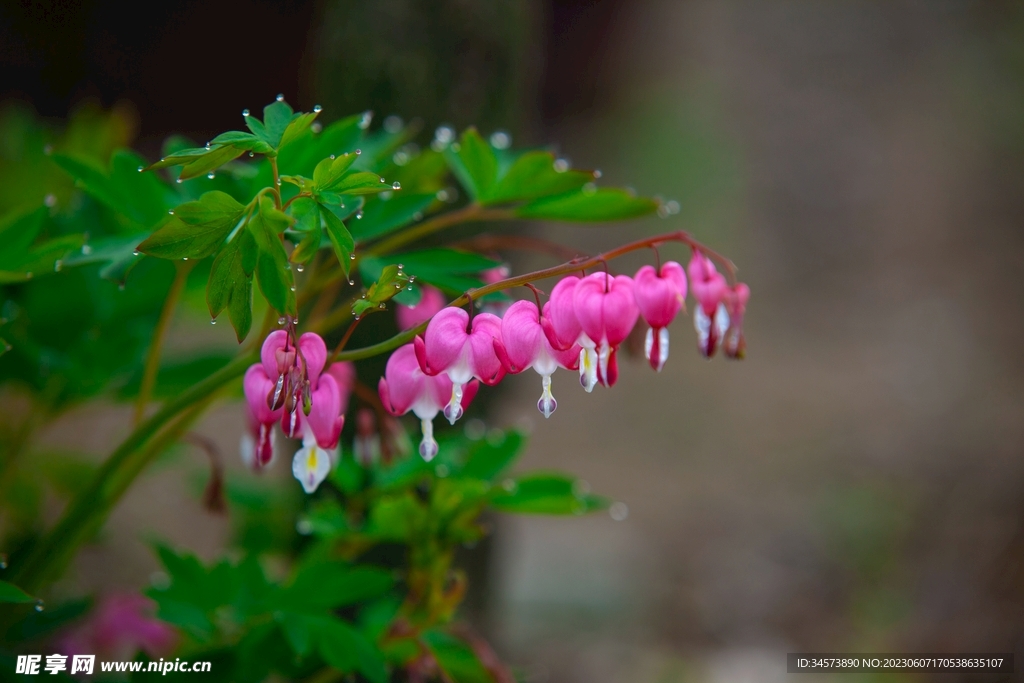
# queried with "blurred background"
point(857, 484)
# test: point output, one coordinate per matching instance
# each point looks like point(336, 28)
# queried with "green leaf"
point(297, 630)
point(326, 586)
point(330, 171)
point(299, 124)
point(533, 175)
point(140, 198)
point(456, 658)
point(396, 517)
point(306, 213)
point(118, 254)
point(546, 494)
point(276, 117)
point(445, 268)
point(391, 281)
point(339, 137)
point(360, 182)
point(341, 239)
point(41, 259)
point(36, 625)
point(473, 163)
point(230, 282)
point(381, 217)
point(243, 141)
point(273, 273)
point(604, 204)
point(18, 232)
point(198, 228)
point(490, 457)
point(9, 593)
point(345, 649)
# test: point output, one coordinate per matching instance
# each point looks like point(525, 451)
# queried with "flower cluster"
point(580, 328)
point(290, 385)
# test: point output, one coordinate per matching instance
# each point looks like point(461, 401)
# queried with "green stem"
point(152, 366)
point(90, 508)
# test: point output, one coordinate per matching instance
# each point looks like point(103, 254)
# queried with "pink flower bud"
point(430, 303)
point(711, 320)
point(524, 344)
point(258, 443)
point(659, 296)
point(405, 387)
point(736, 303)
point(606, 309)
point(447, 347)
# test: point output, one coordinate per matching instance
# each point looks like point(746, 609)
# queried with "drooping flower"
point(366, 447)
point(431, 301)
point(258, 443)
point(462, 351)
point(735, 346)
point(406, 387)
point(312, 463)
point(297, 371)
point(524, 345)
point(563, 330)
point(120, 626)
point(606, 309)
point(321, 429)
point(710, 319)
point(659, 296)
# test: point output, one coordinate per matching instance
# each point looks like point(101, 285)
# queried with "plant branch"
point(276, 188)
point(568, 268)
point(152, 366)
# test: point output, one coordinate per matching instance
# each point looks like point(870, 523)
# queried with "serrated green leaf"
point(533, 175)
point(273, 273)
point(179, 157)
point(41, 259)
point(9, 593)
point(325, 586)
point(604, 204)
point(345, 649)
point(341, 239)
point(474, 164)
point(140, 198)
point(118, 254)
point(198, 228)
point(230, 282)
point(545, 493)
point(299, 124)
point(382, 217)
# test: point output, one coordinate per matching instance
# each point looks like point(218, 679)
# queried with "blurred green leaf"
point(597, 204)
point(140, 198)
point(341, 239)
point(490, 457)
point(532, 175)
point(546, 494)
point(10, 593)
point(324, 586)
point(456, 658)
point(35, 625)
point(381, 217)
point(345, 649)
point(118, 254)
point(473, 163)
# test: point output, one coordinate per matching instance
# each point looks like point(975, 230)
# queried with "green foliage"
point(10, 593)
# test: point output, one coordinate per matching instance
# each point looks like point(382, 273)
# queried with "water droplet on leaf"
point(317, 109)
point(280, 97)
point(245, 112)
point(396, 185)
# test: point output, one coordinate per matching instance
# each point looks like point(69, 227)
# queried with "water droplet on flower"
point(393, 124)
point(245, 112)
point(86, 249)
point(501, 140)
point(57, 266)
point(281, 320)
point(396, 185)
point(50, 200)
point(561, 165)
point(618, 511)
point(317, 109)
point(280, 97)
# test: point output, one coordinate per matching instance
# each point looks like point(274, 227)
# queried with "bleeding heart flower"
point(258, 443)
point(736, 298)
point(659, 296)
point(463, 355)
point(524, 345)
point(311, 463)
point(430, 303)
point(118, 628)
point(406, 387)
point(606, 309)
point(711, 320)
point(297, 371)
